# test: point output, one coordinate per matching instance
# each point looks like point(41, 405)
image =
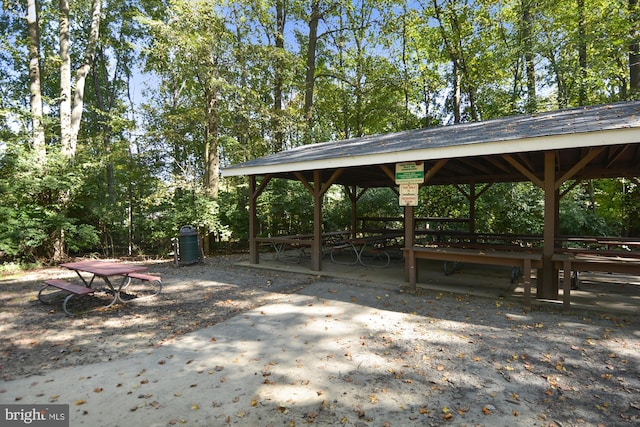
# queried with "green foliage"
point(32, 218)
point(141, 168)
point(285, 207)
point(516, 208)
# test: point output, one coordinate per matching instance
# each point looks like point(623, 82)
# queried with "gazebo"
point(547, 149)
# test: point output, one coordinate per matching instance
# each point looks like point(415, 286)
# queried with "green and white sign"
point(410, 173)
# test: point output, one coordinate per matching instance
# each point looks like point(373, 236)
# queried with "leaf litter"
point(347, 353)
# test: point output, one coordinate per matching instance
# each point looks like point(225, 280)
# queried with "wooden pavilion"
point(547, 149)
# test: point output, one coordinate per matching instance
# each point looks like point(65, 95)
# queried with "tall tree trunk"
point(582, 54)
point(70, 119)
point(634, 49)
point(457, 115)
point(455, 66)
point(311, 70)
point(83, 71)
point(105, 106)
point(426, 99)
point(278, 82)
point(212, 172)
point(405, 73)
point(38, 137)
point(65, 81)
point(527, 40)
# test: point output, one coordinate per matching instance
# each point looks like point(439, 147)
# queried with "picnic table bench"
point(154, 283)
point(72, 289)
point(525, 261)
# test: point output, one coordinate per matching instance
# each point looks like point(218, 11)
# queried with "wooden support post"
point(409, 242)
point(316, 248)
point(548, 283)
point(566, 286)
point(526, 275)
point(254, 256)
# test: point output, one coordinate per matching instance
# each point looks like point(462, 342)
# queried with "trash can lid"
point(187, 230)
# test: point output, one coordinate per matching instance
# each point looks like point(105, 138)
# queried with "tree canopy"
point(116, 117)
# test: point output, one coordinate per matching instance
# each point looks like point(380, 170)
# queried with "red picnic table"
point(105, 270)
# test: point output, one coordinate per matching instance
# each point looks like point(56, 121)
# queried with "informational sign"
point(409, 189)
point(409, 200)
point(410, 173)
point(409, 194)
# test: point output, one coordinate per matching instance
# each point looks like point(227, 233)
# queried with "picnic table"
point(108, 272)
point(292, 248)
point(523, 261)
point(377, 246)
point(590, 262)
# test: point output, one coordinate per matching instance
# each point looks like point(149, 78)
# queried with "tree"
point(38, 136)
point(634, 48)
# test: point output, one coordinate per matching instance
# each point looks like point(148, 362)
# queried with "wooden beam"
point(304, 182)
point(593, 153)
point(258, 191)
point(523, 170)
point(526, 161)
point(434, 169)
point(388, 172)
point(463, 191)
point(570, 187)
point(336, 174)
point(484, 189)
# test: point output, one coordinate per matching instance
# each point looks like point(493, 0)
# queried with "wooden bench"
point(72, 288)
point(523, 260)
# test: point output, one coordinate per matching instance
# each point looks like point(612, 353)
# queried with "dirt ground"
point(384, 357)
point(36, 337)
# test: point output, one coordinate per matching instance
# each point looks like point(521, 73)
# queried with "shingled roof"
point(476, 152)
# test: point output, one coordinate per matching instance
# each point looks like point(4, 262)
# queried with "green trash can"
point(188, 245)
